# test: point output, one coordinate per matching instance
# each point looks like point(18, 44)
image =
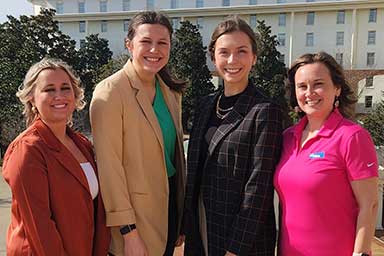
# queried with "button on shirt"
point(319, 211)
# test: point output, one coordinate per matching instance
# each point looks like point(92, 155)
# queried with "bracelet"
point(127, 228)
point(361, 254)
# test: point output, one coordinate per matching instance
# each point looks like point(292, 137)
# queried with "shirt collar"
point(326, 130)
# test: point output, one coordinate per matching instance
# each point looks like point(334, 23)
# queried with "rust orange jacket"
point(52, 209)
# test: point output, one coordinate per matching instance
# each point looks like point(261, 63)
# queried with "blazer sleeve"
point(26, 172)
point(255, 209)
point(106, 112)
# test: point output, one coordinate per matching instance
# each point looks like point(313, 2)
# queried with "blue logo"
point(315, 155)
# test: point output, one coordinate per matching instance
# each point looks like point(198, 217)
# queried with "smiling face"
point(315, 91)
point(53, 96)
point(234, 58)
point(149, 48)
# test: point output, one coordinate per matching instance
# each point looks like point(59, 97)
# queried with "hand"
point(229, 254)
point(180, 240)
point(134, 245)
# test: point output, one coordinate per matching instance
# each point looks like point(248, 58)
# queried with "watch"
point(360, 254)
point(127, 228)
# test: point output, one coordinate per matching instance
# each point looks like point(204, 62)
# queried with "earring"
point(34, 109)
point(337, 102)
point(297, 109)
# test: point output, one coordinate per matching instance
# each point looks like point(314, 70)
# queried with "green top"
point(167, 128)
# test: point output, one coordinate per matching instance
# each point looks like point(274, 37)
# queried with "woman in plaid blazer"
point(233, 150)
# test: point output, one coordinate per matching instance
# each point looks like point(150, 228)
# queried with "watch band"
point(127, 228)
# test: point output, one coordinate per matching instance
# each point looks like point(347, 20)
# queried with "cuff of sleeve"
point(120, 218)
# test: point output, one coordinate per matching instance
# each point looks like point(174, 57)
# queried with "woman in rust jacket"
point(56, 204)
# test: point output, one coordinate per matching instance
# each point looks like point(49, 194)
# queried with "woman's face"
point(234, 58)
point(53, 96)
point(315, 90)
point(150, 48)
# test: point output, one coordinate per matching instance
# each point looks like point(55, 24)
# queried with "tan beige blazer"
point(130, 157)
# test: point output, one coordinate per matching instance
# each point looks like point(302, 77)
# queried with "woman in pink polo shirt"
point(327, 176)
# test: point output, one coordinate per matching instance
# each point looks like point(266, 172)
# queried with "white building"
point(350, 30)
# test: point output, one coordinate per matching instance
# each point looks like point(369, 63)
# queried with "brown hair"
point(232, 24)
point(347, 97)
point(151, 17)
point(26, 90)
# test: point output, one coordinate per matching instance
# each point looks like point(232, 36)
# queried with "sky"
point(14, 8)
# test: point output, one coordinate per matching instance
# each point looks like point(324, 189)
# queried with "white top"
point(91, 178)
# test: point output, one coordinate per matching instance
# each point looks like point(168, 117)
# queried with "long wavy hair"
point(26, 90)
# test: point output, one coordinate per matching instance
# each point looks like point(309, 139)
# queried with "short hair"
point(232, 24)
point(347, 96)
point(26, 90)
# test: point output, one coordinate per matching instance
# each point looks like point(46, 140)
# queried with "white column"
point(291, 31)
point(353, 40)
point(379, 222)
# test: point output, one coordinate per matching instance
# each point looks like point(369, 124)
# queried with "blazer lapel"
point(62, 154)
point(144, 102)
point(238, 113)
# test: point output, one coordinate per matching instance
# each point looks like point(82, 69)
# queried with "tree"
point(92, 55)
point(269, 72)
point(374, 123)
point(27, 40)
point(188, 63)
point(23, 42)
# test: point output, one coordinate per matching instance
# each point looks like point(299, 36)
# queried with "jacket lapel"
point(61, 153)
point(143, 101)
point(238, 113)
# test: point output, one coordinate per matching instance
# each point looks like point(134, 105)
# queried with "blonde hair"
point(26, 90)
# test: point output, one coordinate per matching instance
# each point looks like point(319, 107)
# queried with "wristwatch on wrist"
point(127, 228)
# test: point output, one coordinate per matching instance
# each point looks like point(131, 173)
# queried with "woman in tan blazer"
point(135, 117)
point(56, 205)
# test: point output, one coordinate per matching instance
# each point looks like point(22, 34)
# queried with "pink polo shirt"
point(319, 211)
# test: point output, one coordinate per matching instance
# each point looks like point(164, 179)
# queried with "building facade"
point(351, 30)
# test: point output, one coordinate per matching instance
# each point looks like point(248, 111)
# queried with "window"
point(60, 26)
point(368, 101)
point(199, 3)
point(372, 37)
point(282, 58)
point(309, 39)
point(369, 81)
point(81, 26)
point(339, 38)
point(200, 22)
point(282, 19)
point(281, 1)
point(339, 58)
point(340, 17)
point(310, 18)
point(253, 20)
point(125, 25)
point(59, 7)
point(175, 23)
point(372, 15)
point(252, 2)
point(103, 5)
point(281, 39)
point(104, 26)
point(226, 3)
point(82, 43)
point(310, 0)
point(370, 58)
point(126, 5)
point(174, 4)
point(81, 7)
point(150, 4)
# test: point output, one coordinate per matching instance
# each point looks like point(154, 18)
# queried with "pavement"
point(5, 204)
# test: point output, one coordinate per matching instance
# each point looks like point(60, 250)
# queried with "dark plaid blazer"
point(236, 181)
